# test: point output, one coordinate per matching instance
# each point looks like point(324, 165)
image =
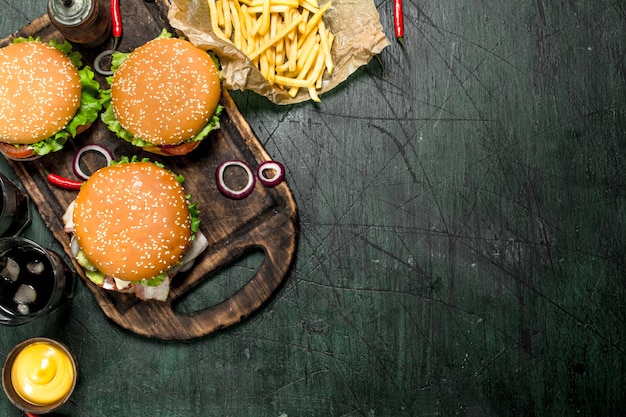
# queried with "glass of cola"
point(34, 281)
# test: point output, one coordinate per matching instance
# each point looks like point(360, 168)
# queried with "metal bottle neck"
point(69, 12)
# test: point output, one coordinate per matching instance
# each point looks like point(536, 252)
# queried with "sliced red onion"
point(74, 246)
point(225, 189)
point(279, 173)
point(97, 63)
point(87, 148)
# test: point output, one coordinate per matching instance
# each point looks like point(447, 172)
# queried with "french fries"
point(287, 40)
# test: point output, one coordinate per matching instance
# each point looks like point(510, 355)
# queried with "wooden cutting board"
point(266, 220)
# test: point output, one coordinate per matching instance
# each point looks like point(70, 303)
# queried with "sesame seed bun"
point(40, 92)
point(132, 220)
point(166, 91)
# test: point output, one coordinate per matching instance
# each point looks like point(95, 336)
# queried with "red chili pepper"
point(398, 20)
point(116, 21)
point(63, 182)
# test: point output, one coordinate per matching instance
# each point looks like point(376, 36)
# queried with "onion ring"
point(225, 189)
point(87, 148)
point(278, 177)
point(97, 61)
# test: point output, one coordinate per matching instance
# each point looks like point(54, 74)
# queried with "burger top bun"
point(132, 220)
point(40, 92)
point(166, 91)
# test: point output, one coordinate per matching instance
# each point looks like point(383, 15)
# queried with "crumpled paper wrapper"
point(358, 37)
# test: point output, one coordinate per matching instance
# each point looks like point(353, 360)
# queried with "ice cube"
point(25, 294)
point(35, 267)
point(11, 270)
point(23, 309)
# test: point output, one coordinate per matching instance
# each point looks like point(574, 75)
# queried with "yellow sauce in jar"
point(42, 373)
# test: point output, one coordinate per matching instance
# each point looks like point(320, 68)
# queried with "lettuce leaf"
point(108, 117)
point(66, 48)
point(152, 282)
point(91, 101)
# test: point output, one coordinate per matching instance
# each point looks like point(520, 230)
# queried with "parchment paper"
point(355, 23)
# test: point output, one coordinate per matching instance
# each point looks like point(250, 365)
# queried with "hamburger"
point(133, 228)
point(164, 96)
point(46, 97)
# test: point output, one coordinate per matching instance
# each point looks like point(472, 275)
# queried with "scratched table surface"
point(462, 237)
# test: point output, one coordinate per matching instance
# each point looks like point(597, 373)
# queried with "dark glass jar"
point(84, 22)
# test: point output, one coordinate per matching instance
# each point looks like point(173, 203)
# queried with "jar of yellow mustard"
point(39, 375)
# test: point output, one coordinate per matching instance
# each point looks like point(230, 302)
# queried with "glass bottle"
point(84, 22)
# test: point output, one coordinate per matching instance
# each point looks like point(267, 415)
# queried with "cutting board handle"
point(276, 248)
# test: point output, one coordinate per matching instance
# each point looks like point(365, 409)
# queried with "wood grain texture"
point(265, 221)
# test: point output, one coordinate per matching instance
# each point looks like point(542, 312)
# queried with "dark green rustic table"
point(462, 245)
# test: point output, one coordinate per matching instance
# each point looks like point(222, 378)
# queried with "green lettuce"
point(108, 117)
point(97, 277)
